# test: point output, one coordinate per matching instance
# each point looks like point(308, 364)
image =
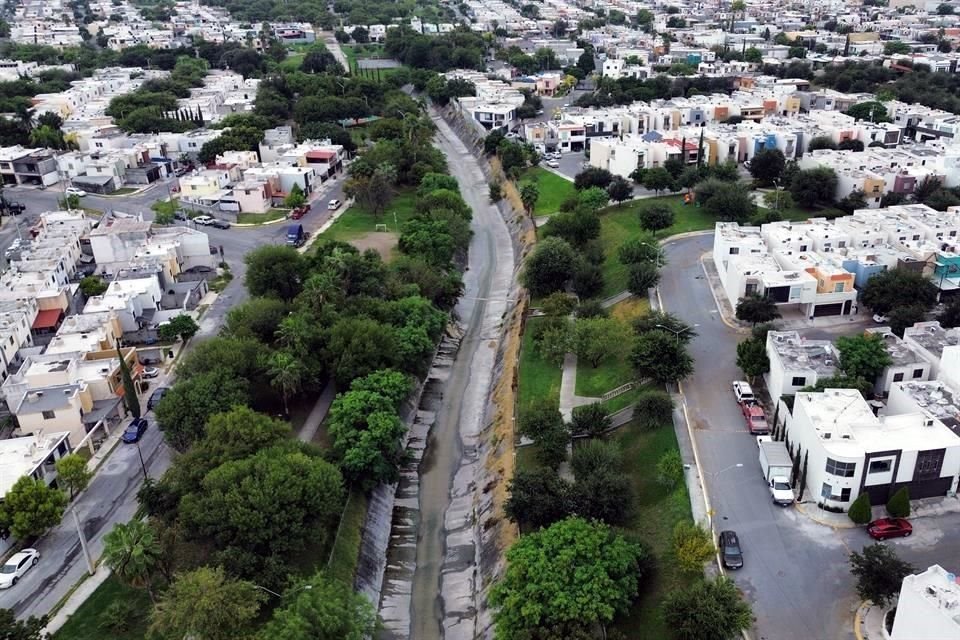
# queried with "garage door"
point(933, 488)
point(828, 310)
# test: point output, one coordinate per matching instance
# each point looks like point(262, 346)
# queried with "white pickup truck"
point(777, 469)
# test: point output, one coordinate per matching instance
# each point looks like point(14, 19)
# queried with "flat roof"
point(798, 353)
point(20, 456)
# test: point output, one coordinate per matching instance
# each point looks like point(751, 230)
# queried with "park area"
point(364, 230)
point(656, 507)
point(553, 190)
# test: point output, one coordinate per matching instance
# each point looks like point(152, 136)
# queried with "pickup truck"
point(777, 470)
point(755, 418)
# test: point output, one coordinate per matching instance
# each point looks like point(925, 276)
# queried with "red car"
point(755, 419)
point(889, 528)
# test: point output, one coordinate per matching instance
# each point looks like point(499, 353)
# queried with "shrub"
point(654, 408)
point(590, 419)
point(119, 616)
point(670, 469)
point(899, 504)
point(692, 546)
point(860, 511)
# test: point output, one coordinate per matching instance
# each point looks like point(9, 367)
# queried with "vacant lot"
point(553, 190)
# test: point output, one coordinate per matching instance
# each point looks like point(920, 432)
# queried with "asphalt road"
point(111, 496)
point(795, 572)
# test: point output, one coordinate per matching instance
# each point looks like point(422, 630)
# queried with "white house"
point(796, 362)
point(928, 607)
point(906, 365)
point(848, 450)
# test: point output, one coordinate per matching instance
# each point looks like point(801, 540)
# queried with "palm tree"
point(133, 553)
point(286, 375)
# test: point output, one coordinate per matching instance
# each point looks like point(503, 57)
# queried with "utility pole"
point(83, 543)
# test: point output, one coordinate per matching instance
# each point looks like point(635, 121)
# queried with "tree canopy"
point(894, 288)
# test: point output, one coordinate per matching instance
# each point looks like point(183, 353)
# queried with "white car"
point(203, 220)
point(150, 372)
point(333, 205)
point(880, 319)
point(553, 164)
point(16, 566)
point(74, 191)
point(743, 392)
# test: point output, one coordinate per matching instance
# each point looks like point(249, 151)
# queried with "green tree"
point(898, 288)
point(892, 47)
point(295, 198)
point(366, 432)
point(274, 272)
point(529, 194)
point(657, 320)
point(670, 469)
point(661, 357)
point(950, 316)
point(93, 286)
point(752, 358)
point(596, 338)
point(708, 610)
point(256, 319)
point(287, 375)
point(206, 605)
point(31, 507)
point(133, 552)
point(620, 190)
point(898, 506)
point(538, 498)
point(767, 165)
point(860, 511)
point(653, 409)
point(182, 326)
point(656, 217)
point(129, 390)
point(592, 199)
point(821, 142)
point(640, 249)
point(754, 308)
point(730, 201)
point(322, 609)
point(188, 405)
point(260, 510)
point(585, 62)
point(944, 9)
point(778, 200)
point(902, 317)
point(692, 546)
point(29, 629)
point(726, 171)
point(658, 179)
point(549, 267)
point(590, 419)
point(863, 356)
point(810, 187)
point(879, 573)
point(569, 577)
point(642, 277)
point(73, 473)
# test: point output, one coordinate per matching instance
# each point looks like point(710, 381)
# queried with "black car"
point(730, 550)
point(181, 215)
point(220, 224)
point(134, 431)
point(156, 397)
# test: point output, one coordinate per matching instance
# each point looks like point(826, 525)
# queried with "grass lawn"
point(620, 224)
point(553, 190)
point(292, 62)
point(657, 510)
point(122, 191)
point(612, 372)
point(85, 623)
point(357, 222)
point(260, 218)
point(346, 547)
point(538, 377)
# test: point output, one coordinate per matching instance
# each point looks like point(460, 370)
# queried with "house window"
point(825, 491)
point(841, 469)
point(734, 251)
point(929, 464)
point(799, 381)
point(880, 466)
point(49, 415)
point(842, 243)
point(917, 373)
point(845, 495)
point(838, 288)
point(898, 377)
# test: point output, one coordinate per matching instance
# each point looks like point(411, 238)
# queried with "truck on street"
point(777, 469)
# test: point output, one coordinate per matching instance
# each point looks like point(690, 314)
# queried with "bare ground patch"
point(383, 242)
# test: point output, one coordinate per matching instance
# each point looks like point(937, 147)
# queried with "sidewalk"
point(868, 621)
point(79, 595)
point(569, 400)
point(926, 508)
point(318, 413)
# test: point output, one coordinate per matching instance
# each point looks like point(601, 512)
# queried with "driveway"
point(795, 572)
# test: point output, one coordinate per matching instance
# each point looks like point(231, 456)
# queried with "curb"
point(716, 301)
point(801, 507)
point(858, 621)
point(246, 225)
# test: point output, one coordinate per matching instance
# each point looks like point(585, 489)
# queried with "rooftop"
point(899, 351)
point(932, 337)
point(20, 456)
point(798, 353)
point(936, 587)
point(936, 400)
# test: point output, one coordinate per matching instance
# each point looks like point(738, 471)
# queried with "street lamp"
point(142, 465)
point(305, 587)
point(776, 183)
point(655, 248)
point(676, 332)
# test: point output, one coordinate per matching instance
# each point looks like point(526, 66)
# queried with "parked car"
point(181, 215)
point(150, 372)
point(203, 220)
point(880, 318)
point(743, 392)
point(220, 224)
point(296, 236)
point(730, 551)
point(755, 418)
point(333, 205)
point(134, 431)
point(156, 397)
point(18, 564)
point(553, 164)
point(74, 191)
point(299, 212)
point(889, 528)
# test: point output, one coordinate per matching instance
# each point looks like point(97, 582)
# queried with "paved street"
point(796, 571)
point(111, 496)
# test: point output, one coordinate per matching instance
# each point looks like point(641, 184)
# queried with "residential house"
point(797, 362)
point(905, 363)
point(928, 607)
